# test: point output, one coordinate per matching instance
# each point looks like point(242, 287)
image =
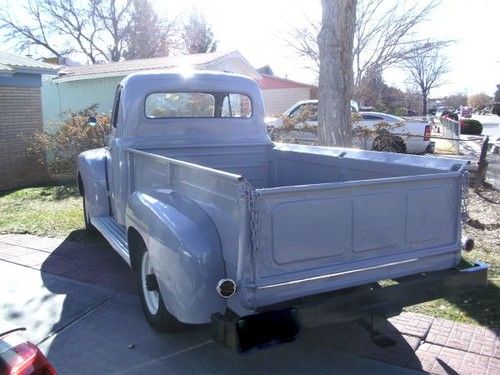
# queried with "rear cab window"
point(197, 105)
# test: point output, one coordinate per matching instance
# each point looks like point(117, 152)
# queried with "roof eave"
point(36, 70)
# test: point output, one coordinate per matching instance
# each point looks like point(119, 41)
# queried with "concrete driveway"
point(79, 303)
point(85, 329)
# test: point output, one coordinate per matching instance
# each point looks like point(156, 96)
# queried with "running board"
point(114, 233)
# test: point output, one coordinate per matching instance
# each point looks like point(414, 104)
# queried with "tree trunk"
point(424, 104)
point(335, 42)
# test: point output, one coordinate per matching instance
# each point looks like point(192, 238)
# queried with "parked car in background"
point(21, 357)
point(311, 105)
point(486, 110)
point(405, 136)
point(415, 134)
point(465, 112)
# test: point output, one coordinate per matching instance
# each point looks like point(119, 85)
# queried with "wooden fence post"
point(482, 165)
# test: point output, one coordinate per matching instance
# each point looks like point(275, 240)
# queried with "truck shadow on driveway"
point(110, 333)
point(91, 260)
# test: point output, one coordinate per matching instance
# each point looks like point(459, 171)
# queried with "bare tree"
point(425, 70)
point(412, 99)
point(384, 35)
point(454, 100)
point(37, 33)
point(335, 41)
point(479, 100)
point(114, 19)
point(98, 29)
point(304, 40)
point(197, 34)
point(149, 36)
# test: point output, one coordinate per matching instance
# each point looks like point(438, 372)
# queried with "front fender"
point(185, 250)
point(92, 170)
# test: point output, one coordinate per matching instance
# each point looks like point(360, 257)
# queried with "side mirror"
point(92, 121)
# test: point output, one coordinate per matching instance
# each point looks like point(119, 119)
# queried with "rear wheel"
point(389, 143)
point(88, 225)
point(153, 307)
point(399, 145)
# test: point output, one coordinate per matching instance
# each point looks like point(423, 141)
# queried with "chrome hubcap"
point(152, 297)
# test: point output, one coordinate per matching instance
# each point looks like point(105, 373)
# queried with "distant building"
point(20, 118)
point(281, 93)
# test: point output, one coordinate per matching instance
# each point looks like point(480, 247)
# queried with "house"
point(280, 94)
point(20, 118)
point(77, 87)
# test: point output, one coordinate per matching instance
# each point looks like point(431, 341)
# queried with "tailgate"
point(323, 237)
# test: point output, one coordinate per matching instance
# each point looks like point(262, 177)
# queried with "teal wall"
point(60, 98)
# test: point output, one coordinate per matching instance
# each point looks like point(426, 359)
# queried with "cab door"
point(113, 157)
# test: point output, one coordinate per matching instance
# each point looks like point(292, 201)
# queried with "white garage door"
point(277, 101)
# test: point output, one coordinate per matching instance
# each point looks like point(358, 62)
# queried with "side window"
point(371, 118)
point(236, 105)
point(297, 111)
point(305, 112)
point(313, 116)
point(116, 107)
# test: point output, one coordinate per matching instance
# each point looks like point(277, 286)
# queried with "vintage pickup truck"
point(221, 225)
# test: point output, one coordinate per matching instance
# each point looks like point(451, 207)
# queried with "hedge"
point(471, 127)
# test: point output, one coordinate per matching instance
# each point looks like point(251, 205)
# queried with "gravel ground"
point(484, 227)
point(484, 218)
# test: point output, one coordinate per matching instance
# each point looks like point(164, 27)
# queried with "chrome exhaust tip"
point(226, 288)
point(467, 243)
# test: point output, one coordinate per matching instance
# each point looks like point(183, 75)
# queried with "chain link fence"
point(447, 135)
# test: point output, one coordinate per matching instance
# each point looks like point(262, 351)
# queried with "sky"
point(259, 28)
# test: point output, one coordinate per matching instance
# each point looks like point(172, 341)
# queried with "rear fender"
point(185, 250)
point(92, 174)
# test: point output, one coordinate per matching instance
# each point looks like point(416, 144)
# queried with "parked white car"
point(406, 136)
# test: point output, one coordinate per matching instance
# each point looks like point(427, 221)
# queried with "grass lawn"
point(477, 307)
point(56, 211)
point(53, 211)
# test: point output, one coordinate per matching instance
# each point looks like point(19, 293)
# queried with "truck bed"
point(318, 219)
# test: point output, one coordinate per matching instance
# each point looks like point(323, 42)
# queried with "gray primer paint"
point(215, 198)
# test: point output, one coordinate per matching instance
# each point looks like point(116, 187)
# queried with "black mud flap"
point(255, 331)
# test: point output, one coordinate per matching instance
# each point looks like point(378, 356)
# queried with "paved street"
point(491, 125)
point(79, 302)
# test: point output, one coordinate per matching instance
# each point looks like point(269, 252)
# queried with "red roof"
point(268, 82)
